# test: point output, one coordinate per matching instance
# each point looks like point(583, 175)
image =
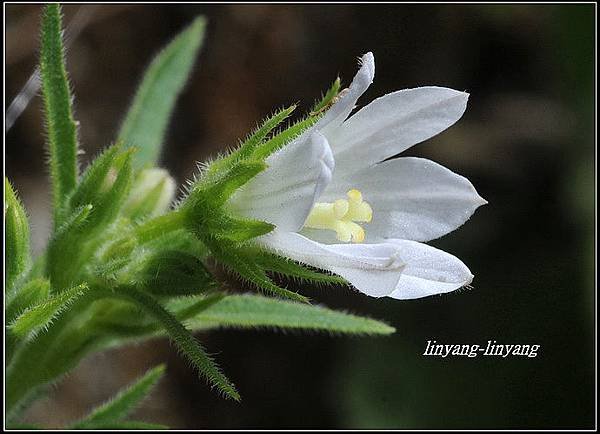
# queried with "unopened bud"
point(151, 194)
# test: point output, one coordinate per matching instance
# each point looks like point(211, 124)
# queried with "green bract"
point(126, 263)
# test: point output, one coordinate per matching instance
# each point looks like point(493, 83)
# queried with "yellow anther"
point(355, 195)
point(358, 235)
point(341, 216)
point(340, 208)
point(343, 231)
point(358, 210)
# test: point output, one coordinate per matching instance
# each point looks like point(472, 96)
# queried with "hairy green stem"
point(62, 130)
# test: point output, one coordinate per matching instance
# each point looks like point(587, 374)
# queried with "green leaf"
point(254, 311)
point(146, 122)
point(111, 413)
point(125, 321)
point(18, 257)
point(62, 130)
point(40, 316)
point(48, 355)
point(32, 293)
point(183, 339)
point(192, 309)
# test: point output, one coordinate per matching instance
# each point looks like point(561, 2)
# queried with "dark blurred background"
point(526, 142)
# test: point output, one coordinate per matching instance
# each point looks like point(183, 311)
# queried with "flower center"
point(341, 216)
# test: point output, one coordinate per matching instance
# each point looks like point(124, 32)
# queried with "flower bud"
point(151, 194)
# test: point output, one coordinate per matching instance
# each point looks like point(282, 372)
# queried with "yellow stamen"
point(341, 216)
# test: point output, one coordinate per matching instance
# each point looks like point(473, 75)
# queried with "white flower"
point(338, 206)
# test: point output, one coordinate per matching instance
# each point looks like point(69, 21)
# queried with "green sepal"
point(289, 268)
point(278, 141)
point(155, 228)
point(133, 249)
point(93, 179)
point(62, 129)
point(236, 230)
point(222, 188)
point(18, 257)
point(243, 264)
point(246, 149)
point(41, 315)
point(119, 250)
point(146, 122)
point(254, 274)
point(108, 208)
point(106, 187)
point(111, 414)
point(203, 208)
point(65, 259)
point(33, 292)
point(327, 99)
point(180, 240)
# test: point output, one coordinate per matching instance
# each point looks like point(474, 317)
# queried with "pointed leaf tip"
point(146, 122)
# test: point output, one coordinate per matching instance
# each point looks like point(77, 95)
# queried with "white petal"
point(412, 199)
point(339, 111)
point(428, 271)
point(285, 192)
point(372, 268)
point(394, 123)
